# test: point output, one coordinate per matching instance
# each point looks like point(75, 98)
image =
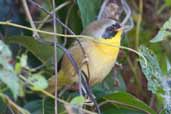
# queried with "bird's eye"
point(111, 31)
point(116, 26)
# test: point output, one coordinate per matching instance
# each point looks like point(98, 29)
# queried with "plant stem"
point(139, 24)
point(55, 58)
point(73, 36)
point(138, 27)
point(35, 33)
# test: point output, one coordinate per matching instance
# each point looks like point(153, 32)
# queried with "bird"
point(100, 57)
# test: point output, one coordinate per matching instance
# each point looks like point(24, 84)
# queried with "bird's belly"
point(100, 63)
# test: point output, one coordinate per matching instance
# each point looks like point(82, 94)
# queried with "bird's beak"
point(120, 29)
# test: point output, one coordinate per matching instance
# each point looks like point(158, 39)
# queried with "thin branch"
point(57, 19)
point(70, 31)
point(55, 10)
point(37, 37)
point(13, 104)
point(30, 18)
point(90, 93)
point(67, 20)
point(139, 23)
point(52, 96)
point(10, 108)
point(70, 36)
point(61, 23)
point(55, 58)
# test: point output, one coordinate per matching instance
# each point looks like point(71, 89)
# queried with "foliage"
point(164, 32)
point(7, 74)
point(133, 87)
point(152, 70)
point(129, 101)
point(88, 11)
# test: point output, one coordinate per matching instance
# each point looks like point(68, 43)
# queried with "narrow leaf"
point(164, 32)
point(152, 71)
point(127, 100)
point(41, 51)
point(11, 80)
point(7, 74)
point(88, 10)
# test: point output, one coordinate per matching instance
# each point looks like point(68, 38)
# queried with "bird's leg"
point(88, 91)
point(85, 61)
point(86, 87)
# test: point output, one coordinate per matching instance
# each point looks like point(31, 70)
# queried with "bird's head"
point(105, 28)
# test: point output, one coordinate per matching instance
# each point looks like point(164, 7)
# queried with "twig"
point(11, 103)
point(37, 37)
point(52, 96)
point(43, 106)
point(70, 31)
point(10, 108)
point(71, 36)
point(152, 100)
point(55, 10)
point(57, 19)
point(139, 23)
point(30, 18)
point(66, 21)
point(55, 57)
point(69, 109)
point(90, 93)
point(138, 26)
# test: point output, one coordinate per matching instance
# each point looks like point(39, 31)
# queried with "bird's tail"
point(62, 81)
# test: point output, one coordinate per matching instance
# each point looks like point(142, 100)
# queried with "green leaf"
point(34, 106)
point(44, 106)
point(75, 23)
point(124, 99)
point(168, 65)
point(152, 71)
point(88, 10)
point(18, 68)
point(41, 51)
point(11, 80)
point(164, 32)
point(111, 109)
point(38, 82)
point(79, 100)
point(167, 2)
point(23, 60)
point(3, 105)
point(7, 74)
point(5, 57)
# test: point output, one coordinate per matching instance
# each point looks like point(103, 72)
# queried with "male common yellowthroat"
point(101, 57)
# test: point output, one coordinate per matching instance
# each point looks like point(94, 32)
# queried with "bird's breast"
point(101, 59)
